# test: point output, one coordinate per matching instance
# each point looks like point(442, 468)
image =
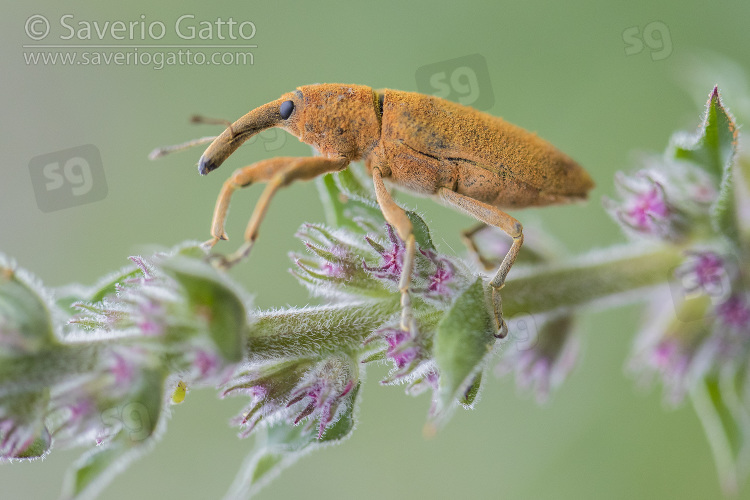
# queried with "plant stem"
point(597, 277)
point(48, 367)
point(310, 332)
point(605, 277)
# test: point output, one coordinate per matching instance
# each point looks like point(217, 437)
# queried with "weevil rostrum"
point(426, 145)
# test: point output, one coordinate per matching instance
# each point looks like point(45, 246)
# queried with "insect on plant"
point(464, 158)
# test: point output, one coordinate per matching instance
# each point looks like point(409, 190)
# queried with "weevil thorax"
point(336, 119)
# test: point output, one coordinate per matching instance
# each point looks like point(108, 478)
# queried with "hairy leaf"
point(463, 340)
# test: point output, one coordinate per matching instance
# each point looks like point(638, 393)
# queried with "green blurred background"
point(562, 70)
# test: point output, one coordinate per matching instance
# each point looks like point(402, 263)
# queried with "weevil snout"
point(266, 116)
point(337, 120)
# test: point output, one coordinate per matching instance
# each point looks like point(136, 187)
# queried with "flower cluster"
point(669, 201)
point(132, 333)
point(297, 390)
point(155, 304)
point(363, 262)
point(346, 264)
point(690, 198)
point(365, 265)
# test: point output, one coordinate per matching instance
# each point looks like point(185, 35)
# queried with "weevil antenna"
point(213, 121)
point(165, 150)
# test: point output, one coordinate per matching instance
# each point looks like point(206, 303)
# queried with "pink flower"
point(735, 313)
point(443, 275)
point(295, 391)
point(206, 362)
point(645, 208)
point(393, 258)
point(323, 397)
point(403, 350)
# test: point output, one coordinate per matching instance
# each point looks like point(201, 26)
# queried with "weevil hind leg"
point(277, 172)
point(396, 217)
point(495, 217)
point(467, 237)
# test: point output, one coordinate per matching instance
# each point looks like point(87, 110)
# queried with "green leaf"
point(463, 340)
point(193, 251)
point(110, 283)
point(421, 231)
point(25, 322)
point(724, 210)
point(283, 445)
point(91, 473)
point(350, 186)
point(714, 150)
point(330, 196)
point(470, 394)
point(725, 421)
point(39, 448)
point(26, 412)
point(266, 465)
point(208, 295)
point(344, 197)
point(345, 424)
point(279, 449)
point(138, 419)
point(714, 146)
point(340, 207)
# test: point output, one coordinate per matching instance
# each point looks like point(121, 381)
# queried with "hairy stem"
point(316, 331)
point(47, 368)
point(601, 277)
point(310, 332)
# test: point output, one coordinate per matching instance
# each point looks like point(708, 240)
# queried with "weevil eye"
point(286, 109)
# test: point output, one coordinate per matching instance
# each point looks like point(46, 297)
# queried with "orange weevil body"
point(427, 145)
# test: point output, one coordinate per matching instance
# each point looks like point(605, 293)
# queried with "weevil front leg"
point(277, 172)
point(396, 217)
point(495, 217)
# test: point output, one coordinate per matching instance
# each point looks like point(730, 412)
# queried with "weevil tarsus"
point(276, 173)
point(467, 159)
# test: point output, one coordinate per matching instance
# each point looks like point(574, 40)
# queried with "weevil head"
point(337, 120)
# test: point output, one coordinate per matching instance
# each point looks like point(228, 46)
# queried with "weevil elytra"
point(423, 144)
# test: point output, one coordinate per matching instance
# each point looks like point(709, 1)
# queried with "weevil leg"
point(495, 217)
point(396, 217)
point(468, 238)
point(277, 172)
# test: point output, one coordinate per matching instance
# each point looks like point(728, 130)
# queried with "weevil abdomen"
point(474, 154)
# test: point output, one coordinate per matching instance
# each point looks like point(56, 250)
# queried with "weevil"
point(429, 146)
